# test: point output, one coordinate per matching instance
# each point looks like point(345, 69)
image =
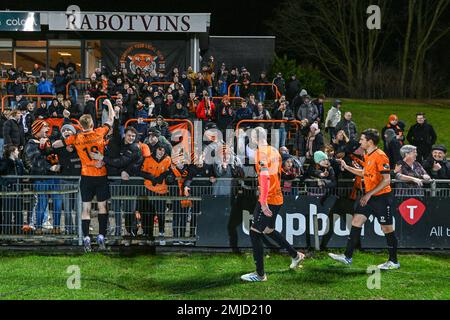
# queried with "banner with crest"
point(158, 55)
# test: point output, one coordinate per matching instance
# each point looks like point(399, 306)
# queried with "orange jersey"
point(156, 169)
point(85, 143)
point(375, 165)
point(269, 157)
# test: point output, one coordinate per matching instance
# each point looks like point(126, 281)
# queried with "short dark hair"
point(420, 114)
point(8, 150)
point(132, 129)
point(372, 134)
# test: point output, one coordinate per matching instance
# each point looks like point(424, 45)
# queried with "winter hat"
point(337, 102)
point(439, 147)
point(154, 131)
point(393, 117)
point(320, 156)
point(315, 126)
point(69, 127)
point(303, 93)
point(37, 126)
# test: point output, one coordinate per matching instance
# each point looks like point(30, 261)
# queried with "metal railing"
point(38, 96)
point(74, 82)
point(47, 209)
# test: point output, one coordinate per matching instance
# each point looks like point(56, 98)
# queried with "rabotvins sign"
point(229, 227)
point(129, 21)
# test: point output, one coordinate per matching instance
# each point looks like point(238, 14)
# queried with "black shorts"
point(380, 207)
point(261, 221)
point(94, 186)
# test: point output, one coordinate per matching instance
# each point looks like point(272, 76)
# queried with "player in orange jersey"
point(94, 180)
point(377, 200)
point(268, 167)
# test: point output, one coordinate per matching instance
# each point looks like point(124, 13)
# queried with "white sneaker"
point(389, 266)
point(341, 258)
point(101, 243)
point(296, 261)
point(253, 277)
point(47, 225)
point(87, 244)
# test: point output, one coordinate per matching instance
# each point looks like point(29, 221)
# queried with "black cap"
point(210, 125)
point(154, 131)
point(440, 147)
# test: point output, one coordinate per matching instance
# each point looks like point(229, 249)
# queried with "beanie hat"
point(439, 147)
point(315, 126)
point(319, 156)
point(392, 117)
point(69, 127)
point(37, 126)
point(303, 93)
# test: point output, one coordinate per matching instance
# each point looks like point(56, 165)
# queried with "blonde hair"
point(86, 121)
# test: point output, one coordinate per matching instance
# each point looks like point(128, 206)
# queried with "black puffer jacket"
point(37, 160)
point(70, 162)
point(13, 133)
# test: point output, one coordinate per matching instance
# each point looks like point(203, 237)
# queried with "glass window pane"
point(59, 57)
point(27, 58)
point(32, 44)
point(6, 62)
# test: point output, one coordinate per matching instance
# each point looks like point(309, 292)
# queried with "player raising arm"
point(268, 168)
point(94, 180)
point(377, 201)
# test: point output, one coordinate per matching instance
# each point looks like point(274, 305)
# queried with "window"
point(64, 51)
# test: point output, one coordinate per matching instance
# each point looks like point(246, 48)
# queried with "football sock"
point(352, 241)
point(282, 242)
point(85, 227)
point(392, 243)
point(102, 224)
point(258, 251)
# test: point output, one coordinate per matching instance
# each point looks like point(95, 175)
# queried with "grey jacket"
point(308, 111)
point(333, 117)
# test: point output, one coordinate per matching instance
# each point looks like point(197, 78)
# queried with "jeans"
point(262, 95)
point(2, 143)
point(283, 135)
point(74, 93)
point(180, 216)
point(236, 91)
point(128, 207)
point(70, 203)
point(223, 90)
point(48, 185)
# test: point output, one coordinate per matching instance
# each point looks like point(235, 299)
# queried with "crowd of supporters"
point(310, 146)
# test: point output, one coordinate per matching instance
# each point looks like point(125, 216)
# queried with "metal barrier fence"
point(47, 210)
point(38, 97)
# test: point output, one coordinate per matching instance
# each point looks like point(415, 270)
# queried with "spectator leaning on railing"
point(70, 166)
point(42, 161)
point(437, 164)
point(410, 171)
